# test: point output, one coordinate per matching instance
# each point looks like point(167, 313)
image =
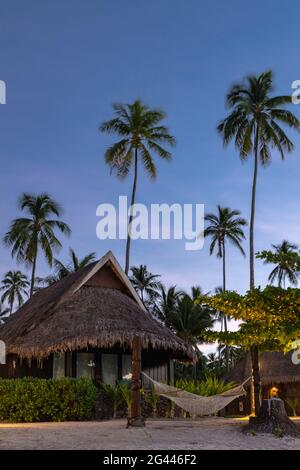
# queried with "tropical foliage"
point(28, 235)
point(226, 225)
point(256, 125)
point(113, 393)
point(145, 283)
point(270, 318)
point(15, 288)
point(75, 263)
point(125, 392)
point(287, 259)
point(208, 386)
point(28, 400)
point(141, 136)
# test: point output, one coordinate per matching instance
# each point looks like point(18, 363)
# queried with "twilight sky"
point(65, 61)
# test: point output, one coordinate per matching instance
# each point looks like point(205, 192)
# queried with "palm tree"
point(226, 225)
point(254, 123)
point(142, 134)
point(62, 270)
point(145, 283)
point(189, 319)
point(287, 258)
point(220, 316)
point(4, 313)
point(214, 362)
point(14, 285)
point(28, 235)
point(167, 301)
point(197, 292)
point(235, 354)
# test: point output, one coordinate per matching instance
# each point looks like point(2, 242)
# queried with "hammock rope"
point(197, 405)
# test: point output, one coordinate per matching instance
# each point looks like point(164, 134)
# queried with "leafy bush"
point(125, 391)
point(152, 399)
point(210, 385)
point(28, 399)
point(113, 393)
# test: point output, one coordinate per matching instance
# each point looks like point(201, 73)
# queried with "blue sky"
point(64, 62)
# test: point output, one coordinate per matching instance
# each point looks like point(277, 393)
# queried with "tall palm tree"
point(226, 225)
point(62, 270)
point(145, 283)
point(15, 287)
point(28, 235)
point(141, 134)
point(287, 260)
point(254, 123)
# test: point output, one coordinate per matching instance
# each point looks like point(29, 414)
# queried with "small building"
point(280, 377)
point(83, 326)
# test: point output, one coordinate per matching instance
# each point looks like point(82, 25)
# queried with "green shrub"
point(210, 385)
point(113, 393)
point(29, 399)
point(125, 391)
point(152, 399)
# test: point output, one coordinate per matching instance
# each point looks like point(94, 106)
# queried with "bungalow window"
point(126, 366)
point(85, 365)
point(109, 363)
point(58, 365)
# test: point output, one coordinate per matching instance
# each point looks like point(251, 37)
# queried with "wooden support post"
point(136, 418)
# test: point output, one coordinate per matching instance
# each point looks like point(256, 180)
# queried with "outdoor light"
point(274, 392)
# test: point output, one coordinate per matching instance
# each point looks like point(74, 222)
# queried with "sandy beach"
point(205, 433)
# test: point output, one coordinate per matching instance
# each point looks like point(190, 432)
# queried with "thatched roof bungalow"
point(84, 325)
point(280, 376)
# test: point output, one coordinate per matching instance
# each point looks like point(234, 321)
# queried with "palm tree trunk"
point(253, 202)
point(255, 401)
point(224, 289)
point(33, 274)
point(131, 211)
point(255, 378)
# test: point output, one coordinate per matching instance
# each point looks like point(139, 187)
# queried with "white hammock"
point(197, 405)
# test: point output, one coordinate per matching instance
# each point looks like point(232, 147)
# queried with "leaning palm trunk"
point(255, 386)
point(127, 263)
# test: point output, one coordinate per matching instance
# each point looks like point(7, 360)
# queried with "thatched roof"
point(78, 312)
point(275, 368)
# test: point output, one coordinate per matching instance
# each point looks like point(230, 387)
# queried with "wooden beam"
point(136, 418)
